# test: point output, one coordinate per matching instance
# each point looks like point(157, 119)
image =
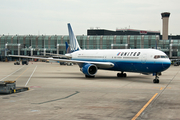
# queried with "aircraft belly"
point(138, 67)
point(133, 66)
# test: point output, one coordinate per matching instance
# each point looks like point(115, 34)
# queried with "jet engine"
point(89, 69)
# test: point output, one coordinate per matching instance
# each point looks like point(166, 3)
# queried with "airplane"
point(145, 61)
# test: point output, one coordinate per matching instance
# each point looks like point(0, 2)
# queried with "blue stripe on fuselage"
point(134, 66)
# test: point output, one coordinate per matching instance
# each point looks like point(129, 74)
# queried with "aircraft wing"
point(98, 64)
point(58, 55)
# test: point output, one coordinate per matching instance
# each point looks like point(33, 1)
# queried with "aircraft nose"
point(166, 64)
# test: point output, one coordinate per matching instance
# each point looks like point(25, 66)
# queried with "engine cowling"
point(89, 69)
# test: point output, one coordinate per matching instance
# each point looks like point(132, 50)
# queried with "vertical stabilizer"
point(67, 48)
point(74, 45)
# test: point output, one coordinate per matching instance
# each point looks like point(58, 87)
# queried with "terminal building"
point(39, 45)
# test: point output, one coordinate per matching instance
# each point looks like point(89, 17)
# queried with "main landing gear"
point(88, 76)
point(121, 74)
point(156, 80)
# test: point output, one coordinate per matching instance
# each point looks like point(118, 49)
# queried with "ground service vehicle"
point(7, 86)
point(24, 62)
point(17, 63)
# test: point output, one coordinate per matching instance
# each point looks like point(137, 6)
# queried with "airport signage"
point(143, 32)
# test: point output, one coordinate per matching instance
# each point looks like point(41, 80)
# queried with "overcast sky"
point(50, 17)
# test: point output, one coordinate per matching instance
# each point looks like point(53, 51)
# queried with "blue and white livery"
point(74, 46)
point(146, 61)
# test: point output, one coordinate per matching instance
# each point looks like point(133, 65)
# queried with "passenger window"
point(128, 54)
point(134, 54)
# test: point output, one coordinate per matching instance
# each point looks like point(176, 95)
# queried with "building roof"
point(138, 30)
point(121, 32)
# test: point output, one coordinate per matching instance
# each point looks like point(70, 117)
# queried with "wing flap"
point(59, 55)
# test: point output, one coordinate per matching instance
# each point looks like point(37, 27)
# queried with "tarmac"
point(59, 92)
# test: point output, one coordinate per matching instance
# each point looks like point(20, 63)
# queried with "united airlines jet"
point(146, 61)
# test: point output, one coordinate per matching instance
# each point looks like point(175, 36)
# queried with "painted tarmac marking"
point(164, 88)
point(35, 86)
point(161, 88)
point(11, 73)
point(30, 76)
point(58, 99)
point(144, 107)
point(22, 73)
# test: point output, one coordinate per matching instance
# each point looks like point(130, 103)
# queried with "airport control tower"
point(165, 18)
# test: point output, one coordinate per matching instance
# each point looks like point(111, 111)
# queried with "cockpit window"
point(164, 56)
point(160, 56)
point(156, 56)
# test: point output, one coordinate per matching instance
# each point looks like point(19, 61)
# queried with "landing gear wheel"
point(124, 75)
point(118, 75)
point(121, 75)
point(87, 76)
point(156, 81)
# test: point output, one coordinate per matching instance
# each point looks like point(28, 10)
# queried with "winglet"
point(74, 45)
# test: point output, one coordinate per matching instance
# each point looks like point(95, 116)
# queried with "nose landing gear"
point(156, 80)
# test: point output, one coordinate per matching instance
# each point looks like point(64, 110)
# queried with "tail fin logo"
point(67, 48)
point(74, 45)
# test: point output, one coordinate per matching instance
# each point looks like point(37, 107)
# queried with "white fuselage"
point(132, 60)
